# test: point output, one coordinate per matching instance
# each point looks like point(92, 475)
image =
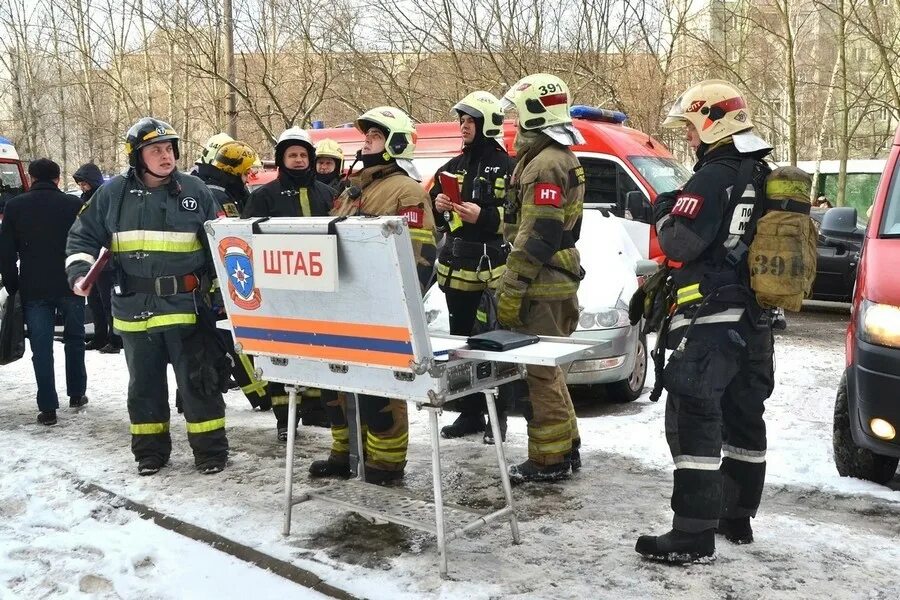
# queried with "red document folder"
point(94, 273)
point(450, 186)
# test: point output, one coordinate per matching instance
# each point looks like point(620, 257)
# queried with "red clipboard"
point(450, 186)
point(94, 273)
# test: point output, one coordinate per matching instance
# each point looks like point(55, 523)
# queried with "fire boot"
point(464, 424)
point(531, 471)
point(330, 467)
point(679, 547)
point(489, 431)
point(736, 531)
point(382, 477)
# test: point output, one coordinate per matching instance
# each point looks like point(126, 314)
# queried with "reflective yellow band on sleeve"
point(206, 426)
point(152, 322)
point(422, 235)
point(688, 294)
point(149, 428)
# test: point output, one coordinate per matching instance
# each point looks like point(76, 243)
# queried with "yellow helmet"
point(400, 133)
point(212, 146)
point(234, 158)
point(542, 100)
point(484, 106)
point(715, 107)
point(329, 148)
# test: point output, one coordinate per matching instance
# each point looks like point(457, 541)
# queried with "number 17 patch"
point(547, 194)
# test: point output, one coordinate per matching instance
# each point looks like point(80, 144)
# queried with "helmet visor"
point(506, 104)
point(676, 116)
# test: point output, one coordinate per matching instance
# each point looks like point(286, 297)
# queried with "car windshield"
point(664, 174)
point(10, 182)
point(890, 222)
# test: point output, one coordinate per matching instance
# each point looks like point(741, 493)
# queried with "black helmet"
point(145, 132)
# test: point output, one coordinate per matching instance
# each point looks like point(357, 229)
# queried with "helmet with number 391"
point(541, 100)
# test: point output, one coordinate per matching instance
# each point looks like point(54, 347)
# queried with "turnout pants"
point(310, 400)
point(147, 356)
point(552, 426)
point(244, 375)
point(385, 430)
point(462, 307)
point(716, 390)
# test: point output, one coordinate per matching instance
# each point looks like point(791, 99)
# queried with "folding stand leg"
point(357, 447)
point(489, 396)
point(289, 461)
point(438, 491)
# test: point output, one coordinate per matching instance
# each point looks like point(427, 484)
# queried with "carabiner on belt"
point(480, 268)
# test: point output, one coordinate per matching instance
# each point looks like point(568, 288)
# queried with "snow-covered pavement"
point(817, 535)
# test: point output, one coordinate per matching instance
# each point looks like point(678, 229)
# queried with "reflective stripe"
point(160, 321)
point(502, 213)
point(455, 222)
point(729, 315)
point(662, 221)
point(744, 455)
point(550, 439)
point(422, 235)
point(206, 426)
point(481, 316)
point(340, 440)
point(700, 463)
point(305, 210)
point(149, 428)
point(688, 293)
point(389, 449)
point(312, 393)
point(470, 275)
point(280, 400)
point(155, 241)
point(79, 256)
point(257, 387)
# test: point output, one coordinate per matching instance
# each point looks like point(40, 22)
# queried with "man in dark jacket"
point(722, 370)
point(473, 255)
point(34, 230)
point(89, 178)
point(151, 218)
point(295, 193)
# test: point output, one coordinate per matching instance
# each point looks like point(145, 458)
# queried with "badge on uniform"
point(547, 194)
point(189, 203)
point(687, 205)
point(414, 216)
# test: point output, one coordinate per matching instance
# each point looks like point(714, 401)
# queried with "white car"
point(610, 256)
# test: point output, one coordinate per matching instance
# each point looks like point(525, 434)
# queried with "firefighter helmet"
point(234, 158)
point(212, 146)
point(542, 100)
point(484, 106)
point(400, 133)
point(715, 107)
point(294, 137)
point(148, 131)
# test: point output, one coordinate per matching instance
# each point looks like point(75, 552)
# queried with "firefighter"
point(151, 218)
point(721, 370)
point(386, 185)
point(473, 255)
point(329, 163)
point(537, 293)
point(294, 193)
point(226, 177)
point(211, 147)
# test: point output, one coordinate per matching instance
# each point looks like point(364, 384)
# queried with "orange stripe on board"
point(383, 332)
point(388, 359)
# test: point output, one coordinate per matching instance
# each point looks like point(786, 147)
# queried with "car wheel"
point(850, 459)
point(629, 390)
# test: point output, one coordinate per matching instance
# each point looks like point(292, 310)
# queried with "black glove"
point(210, 366)
point(664, 204)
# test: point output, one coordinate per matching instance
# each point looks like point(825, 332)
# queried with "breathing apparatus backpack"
point(782, 253)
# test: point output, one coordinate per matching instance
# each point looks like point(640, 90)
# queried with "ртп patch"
point(687, 205)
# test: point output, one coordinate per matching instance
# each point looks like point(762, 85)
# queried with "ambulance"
point(12, 173)
point(625, 170)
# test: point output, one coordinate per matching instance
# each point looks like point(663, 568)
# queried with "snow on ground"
point(817, 535)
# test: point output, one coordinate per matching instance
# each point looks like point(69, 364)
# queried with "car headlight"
point(879, 324)
point(605, 319)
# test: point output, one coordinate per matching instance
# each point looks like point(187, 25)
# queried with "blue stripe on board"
point(325, 340)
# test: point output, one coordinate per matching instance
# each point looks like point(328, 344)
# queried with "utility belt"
point(456, 247)
point(167, 285)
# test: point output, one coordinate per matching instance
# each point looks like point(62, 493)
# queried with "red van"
point(867, 408)
point(12, 174)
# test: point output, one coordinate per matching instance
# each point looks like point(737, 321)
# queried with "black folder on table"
point(501, 340)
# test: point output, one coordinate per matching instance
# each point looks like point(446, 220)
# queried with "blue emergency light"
point(318, 124)
point(4, 140)
point(593, 113)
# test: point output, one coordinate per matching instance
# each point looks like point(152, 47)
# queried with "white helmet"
point(484, 106)
point(294, 137)
point(212, 147)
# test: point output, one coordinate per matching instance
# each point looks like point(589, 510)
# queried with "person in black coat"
point(89, 178)
point(34, 231)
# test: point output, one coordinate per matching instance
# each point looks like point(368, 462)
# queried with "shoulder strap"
point(744, 178)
